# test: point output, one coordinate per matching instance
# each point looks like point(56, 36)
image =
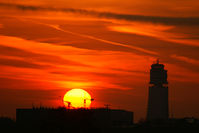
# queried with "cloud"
point(37, 57)
point(110, 15)
point(186, 59)
point(162, 32)
point(57, 27)
point(20, 63)
point(99, 71)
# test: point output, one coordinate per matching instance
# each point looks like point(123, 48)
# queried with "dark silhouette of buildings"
point(62, 118)
point(158, 93)
point(188, 124)
point(7, 125)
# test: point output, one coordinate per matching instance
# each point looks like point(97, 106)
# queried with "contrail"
point(57, 27)
point(103, 40)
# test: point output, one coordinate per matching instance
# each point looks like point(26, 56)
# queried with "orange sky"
point(103, 47)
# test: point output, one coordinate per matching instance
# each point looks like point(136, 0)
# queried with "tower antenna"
point(158, 60)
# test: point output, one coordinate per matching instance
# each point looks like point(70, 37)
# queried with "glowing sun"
point(77, 98)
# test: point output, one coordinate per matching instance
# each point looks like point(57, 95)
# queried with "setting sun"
point(77, 98)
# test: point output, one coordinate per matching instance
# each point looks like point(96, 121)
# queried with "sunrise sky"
point(103, 46)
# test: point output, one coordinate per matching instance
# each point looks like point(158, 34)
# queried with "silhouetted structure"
point(158, 93)
point(62, 118)
point(7, 125)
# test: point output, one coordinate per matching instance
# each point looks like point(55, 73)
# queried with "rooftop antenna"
point(69, 104)
point(86, 100)
point(107, 106)
point(41, 105)
point(158, 60)
point(33, 106)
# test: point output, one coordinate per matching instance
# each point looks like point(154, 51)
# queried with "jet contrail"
point(57, 27)
point(103, 40)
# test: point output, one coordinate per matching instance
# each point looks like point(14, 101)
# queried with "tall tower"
point(158, 93)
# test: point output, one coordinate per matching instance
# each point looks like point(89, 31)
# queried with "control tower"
point(158, 93)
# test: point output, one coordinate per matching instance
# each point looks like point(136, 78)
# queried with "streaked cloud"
point(158, 31)
point(21, 53)
point(110, 15)
point(105, 41)
point(21, 63)
point(186, 59)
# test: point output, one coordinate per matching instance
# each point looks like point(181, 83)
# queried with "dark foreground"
point(10, 126)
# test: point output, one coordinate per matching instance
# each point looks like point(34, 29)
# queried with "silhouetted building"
point(158, 93)
point(7, 125)
point(62, 118)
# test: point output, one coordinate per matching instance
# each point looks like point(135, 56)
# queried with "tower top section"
point(158, 75)
point(158, 61)
point(157, 65)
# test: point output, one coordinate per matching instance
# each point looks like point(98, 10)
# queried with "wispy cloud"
point(93, 37)
point(26, 59)
point(110, 15)
point(186, 59)
point(21, 63)
point(162, 32)
point(7, 51)
point(104, 41)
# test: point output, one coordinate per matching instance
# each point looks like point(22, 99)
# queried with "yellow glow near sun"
point(77, 98)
